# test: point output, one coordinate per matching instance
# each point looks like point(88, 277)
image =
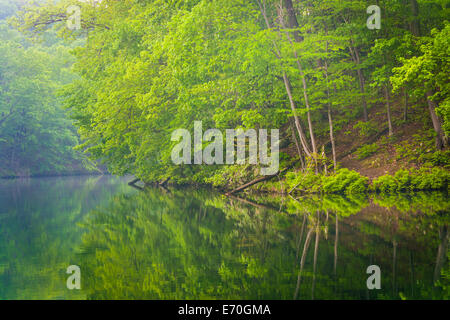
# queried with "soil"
point(385, 160)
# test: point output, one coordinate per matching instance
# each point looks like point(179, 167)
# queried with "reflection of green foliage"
point(426, 202)
point(39, 233)
point(195, 245)
point(444, 283)
point(341, 205)
point(190, 250)
point(345, 206)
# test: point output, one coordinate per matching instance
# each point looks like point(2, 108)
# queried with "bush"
point(436, 179)
point(345, 181)
point(438, 158)
point(307, 182)
point(365, 128)
point(384, 183)
point(366, 151)
point(404, 180)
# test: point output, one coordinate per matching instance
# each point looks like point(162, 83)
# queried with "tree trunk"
point(330, 119)
point(440, 139)
point(415, 23)
point(302, 262)
point(336, 237)
point(388, 110)
point(316, 247)
point(258, 180)
point(288, 87)
point(442, 251)
point(164, 182)
point(292, 24)
point(405, 106)
point(362, 90)
point(297, 145)
point(355, 56)
point(333, 146)
point(292, 19)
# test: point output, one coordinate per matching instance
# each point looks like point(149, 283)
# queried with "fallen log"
point(258, 180)
point(246, 201)
point(133, 182)
point(164, 182)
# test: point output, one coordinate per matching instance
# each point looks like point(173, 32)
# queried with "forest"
point(348, 102)
point(359, 90)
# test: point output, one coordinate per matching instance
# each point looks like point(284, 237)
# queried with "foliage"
point(342, 182)
point(305, 182)
point(150, 67)
point(345, 181)
point(429, 71)
point(404, 180)
point(366, 151)
point(365, 128)
point(36, 135)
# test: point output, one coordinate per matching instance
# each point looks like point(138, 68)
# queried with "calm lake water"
point(198, 244)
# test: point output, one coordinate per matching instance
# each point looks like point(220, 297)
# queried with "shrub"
point(404, 180)
point(365, 128)
point(366, 151)
point(438, 158)
point(436, 179)
point(345, 181)
point(385, 183)
point(309, 181)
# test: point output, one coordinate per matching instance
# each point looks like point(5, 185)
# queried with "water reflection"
point(198, 244)
point(39, 233)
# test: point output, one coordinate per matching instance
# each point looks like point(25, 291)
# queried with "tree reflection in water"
point(194, 244)
point(198, 244)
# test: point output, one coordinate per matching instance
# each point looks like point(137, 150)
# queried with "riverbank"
point(343, 182)
point(346, 181)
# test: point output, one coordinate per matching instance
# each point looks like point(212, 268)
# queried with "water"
point(198, 244)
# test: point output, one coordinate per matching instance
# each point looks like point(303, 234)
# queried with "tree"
point(428, 72)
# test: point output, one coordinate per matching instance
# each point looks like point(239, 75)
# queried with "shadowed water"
point(198, 244)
